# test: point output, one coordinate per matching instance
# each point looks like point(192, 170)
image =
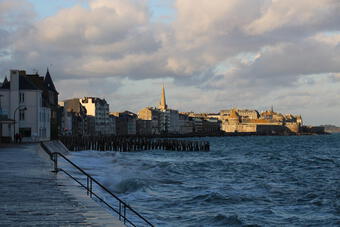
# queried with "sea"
point(241, 181)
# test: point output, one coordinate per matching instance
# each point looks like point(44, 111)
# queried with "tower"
point(162, 104)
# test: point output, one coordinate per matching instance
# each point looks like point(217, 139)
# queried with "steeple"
point(162, 104)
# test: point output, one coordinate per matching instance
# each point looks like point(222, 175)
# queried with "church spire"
point(162, 104)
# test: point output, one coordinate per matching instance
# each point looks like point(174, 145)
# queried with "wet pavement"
point(32, 195)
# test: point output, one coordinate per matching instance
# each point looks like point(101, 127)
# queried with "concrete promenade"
point(31, 195)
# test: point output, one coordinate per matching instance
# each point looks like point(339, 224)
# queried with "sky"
point(210, 55)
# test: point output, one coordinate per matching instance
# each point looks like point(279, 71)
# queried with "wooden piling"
point(126, 144)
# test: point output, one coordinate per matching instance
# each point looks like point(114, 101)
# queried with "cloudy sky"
point(210, 54)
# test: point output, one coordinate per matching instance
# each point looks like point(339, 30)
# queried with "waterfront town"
point(30, 111)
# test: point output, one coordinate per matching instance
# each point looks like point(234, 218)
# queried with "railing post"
point(90, 187)
point(55, 161)
point(120, 211)
point(124, 208)
point(87, 185)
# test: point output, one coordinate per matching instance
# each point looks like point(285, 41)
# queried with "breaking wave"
point(243, 181)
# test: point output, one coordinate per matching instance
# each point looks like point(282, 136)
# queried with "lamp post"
point(21, 107)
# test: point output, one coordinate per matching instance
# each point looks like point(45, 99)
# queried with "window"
point(25, 132)
point(21, 97)
point(21, 115)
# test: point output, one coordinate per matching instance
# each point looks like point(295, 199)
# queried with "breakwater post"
point(128, 144)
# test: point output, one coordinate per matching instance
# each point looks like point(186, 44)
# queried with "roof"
point(32, 82)
point(37, 80)
point(48, 82)
point(25, 83)
point(5, 84)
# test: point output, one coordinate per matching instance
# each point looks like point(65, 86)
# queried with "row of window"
point(44, 117)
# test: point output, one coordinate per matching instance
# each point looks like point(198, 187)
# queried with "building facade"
point(268, 122)
point(99, 109)
point(153, 115)
point(23, 100)
point(73, 118)
point(126, 123)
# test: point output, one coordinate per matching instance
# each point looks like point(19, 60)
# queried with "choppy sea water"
point(242, 181)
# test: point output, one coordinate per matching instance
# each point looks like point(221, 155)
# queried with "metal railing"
point(122, 206)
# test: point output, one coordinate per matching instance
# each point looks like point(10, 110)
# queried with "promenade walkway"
point(31, 195)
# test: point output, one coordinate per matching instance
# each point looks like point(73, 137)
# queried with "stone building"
point(250, 121)
point(243, 114)
point(204, 123)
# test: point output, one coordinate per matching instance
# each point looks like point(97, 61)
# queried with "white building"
point(99, 109)
point(22, 100)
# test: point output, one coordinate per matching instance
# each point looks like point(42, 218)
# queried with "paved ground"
point(31, 195)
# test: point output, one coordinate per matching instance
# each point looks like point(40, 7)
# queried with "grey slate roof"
point(32, 82)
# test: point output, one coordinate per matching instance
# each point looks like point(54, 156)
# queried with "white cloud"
point(290, 13)
point(216, 53)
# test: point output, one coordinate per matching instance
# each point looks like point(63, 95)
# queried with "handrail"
point(88, 187)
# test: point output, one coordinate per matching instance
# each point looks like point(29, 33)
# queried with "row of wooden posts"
point(126, 144)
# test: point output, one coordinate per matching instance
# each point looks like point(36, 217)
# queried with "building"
point(143, 127)
point(163, 119)
point(268, 122)
point(186, 124)
point(29, 100)
point(152, 115)
point(99, 110)
point(125, 123)
point(168, 118)
point(243, 114)
point(50, 99)
point(204, 123)
point(73, 118)
point(169, 121)
point(86, 116)
point(5, 121)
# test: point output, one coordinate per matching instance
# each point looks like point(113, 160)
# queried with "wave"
point(217, 198)
point(224, 220)
point(129, 185)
